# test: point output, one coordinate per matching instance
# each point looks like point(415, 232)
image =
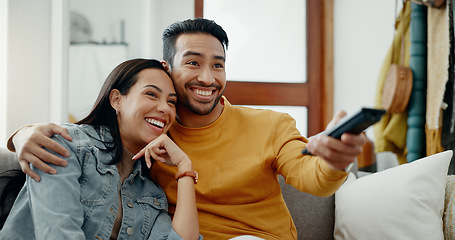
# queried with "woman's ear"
point(166, 65)
point(114, 99)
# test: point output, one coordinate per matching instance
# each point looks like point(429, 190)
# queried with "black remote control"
point(355, 123)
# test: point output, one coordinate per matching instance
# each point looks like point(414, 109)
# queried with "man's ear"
point(114, 99)
point(166, 65)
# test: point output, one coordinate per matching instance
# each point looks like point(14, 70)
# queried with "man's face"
point(198, 72)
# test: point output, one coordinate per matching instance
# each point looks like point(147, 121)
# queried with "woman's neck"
point(125, 166)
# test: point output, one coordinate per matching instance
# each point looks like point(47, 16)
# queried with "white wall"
point(105, 17)
point(59, 44)
point(172, 11)
point(28, 63)
point(26, 35)
point(363, 31)
point(145, 20)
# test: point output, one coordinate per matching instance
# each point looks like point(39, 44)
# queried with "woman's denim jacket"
point(81, 201)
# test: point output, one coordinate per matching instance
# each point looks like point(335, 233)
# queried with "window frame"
point(317, 92)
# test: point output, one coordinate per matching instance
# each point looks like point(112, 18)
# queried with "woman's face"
point(148, 110)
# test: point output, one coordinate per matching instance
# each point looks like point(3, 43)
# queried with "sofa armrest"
point(313, 216)
point(11, 181)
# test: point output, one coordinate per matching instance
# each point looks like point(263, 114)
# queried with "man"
point(237, 151)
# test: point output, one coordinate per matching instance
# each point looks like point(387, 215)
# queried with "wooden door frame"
point(317, 92)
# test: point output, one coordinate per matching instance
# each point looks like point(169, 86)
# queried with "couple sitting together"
point(130, 168)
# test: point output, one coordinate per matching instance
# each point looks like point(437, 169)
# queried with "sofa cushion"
point(404, 202)
point(313, 216)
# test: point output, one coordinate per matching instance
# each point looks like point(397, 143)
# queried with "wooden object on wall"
point(397, 88)
point(367, 159)
point(198, 8)
point(320, 64)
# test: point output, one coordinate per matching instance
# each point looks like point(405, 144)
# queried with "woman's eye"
point(173, 102)
point(152, 94)
point(192, 63)
point(218, 65)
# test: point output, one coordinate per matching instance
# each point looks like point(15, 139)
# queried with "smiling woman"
point(146, 110)
point(102, 181)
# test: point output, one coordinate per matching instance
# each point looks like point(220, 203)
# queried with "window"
point(266, 63)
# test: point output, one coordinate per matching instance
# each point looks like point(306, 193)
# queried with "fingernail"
point(53, 171)
point(64, 164)
point(69, 136)
point(36, 179)
point(148, 165)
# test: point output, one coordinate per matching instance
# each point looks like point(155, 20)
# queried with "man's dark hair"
point(198, 25)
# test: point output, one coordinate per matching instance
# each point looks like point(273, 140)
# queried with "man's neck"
point(189, 119)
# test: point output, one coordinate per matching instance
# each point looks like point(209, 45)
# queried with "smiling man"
point(237, 151)
point(199, 75)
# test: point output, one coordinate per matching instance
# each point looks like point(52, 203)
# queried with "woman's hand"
point(30, 142)
point(163, 149)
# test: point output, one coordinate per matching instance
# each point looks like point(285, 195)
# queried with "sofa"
point(11, 179)
point(313, 216)
point(410, 201)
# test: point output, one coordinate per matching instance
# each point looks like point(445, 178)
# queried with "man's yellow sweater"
point(238, 158)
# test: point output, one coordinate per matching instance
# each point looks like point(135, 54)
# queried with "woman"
point(103, 193)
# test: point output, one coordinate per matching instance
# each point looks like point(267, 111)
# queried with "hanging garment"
point(390, 131)
point(438, 75)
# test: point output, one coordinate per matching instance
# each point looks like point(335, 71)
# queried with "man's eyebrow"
point(154, 86)
point(192, 53)
point(220, 58)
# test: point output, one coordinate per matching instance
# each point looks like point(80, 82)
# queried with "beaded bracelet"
point(192, 174)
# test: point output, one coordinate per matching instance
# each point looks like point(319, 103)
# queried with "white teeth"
point(203, 93)
point(155, 122)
